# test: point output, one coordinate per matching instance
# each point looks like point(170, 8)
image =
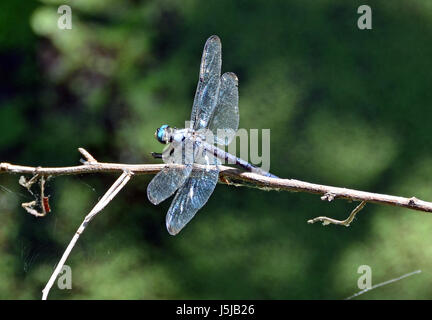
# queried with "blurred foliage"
point(345, 107)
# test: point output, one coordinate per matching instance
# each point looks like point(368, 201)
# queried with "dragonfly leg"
point(156, 155)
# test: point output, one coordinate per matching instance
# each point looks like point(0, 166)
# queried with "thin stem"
point(108, 196)
point(346, 222)
point(383, 284)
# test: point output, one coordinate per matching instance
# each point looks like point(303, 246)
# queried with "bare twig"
point(227, 175)
point(87, 155)
point(108, 196)
point(346, 222)
point(231, 176)
point(383, 284)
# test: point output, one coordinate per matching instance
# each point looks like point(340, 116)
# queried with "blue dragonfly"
point(215, 110)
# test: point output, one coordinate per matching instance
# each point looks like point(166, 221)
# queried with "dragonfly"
point(214, 110)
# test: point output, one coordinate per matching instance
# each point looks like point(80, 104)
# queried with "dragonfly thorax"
point(166, 134)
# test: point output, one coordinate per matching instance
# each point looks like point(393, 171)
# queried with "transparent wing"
point(168, 180)
point(207, 91)
point(191, 197)
point(225, 120)
point(194, 193)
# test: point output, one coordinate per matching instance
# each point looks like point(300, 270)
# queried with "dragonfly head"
point(163, 134)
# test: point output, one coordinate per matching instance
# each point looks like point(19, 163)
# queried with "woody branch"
point(228, 175)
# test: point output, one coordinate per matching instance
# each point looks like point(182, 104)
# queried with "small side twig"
point(383, 284)
point(89, 158)
point(346, 222)
point(108, 196)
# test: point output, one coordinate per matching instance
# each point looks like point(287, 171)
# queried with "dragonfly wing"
point(191, 197)
point(195, 192)
point(166, 182)
point(225, 120)
point(169, 179)
point(207, 91)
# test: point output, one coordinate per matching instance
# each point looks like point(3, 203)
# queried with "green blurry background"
point(345, 107)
